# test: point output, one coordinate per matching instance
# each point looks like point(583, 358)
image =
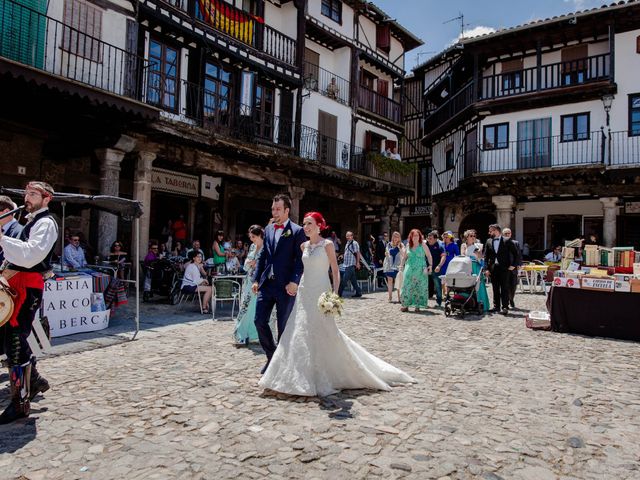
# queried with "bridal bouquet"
point(330, 303)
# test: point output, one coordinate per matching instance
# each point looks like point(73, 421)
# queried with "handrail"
point(555, 75)
point(245, 122)
point(379, 104)
point(44, 43)
point(326, 83)
point(541, 152)
point(246, 28)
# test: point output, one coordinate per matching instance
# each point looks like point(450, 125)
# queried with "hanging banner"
point(230, 20)
point(246, 93)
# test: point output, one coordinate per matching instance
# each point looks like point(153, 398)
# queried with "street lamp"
point(607, 100)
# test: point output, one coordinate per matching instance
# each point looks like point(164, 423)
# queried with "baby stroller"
point(462, 286)
point(162, 277)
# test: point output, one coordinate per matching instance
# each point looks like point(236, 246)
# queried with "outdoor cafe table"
point(595, 313)
point(535, 275)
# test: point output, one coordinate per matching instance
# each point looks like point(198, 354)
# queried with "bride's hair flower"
point(330, 303)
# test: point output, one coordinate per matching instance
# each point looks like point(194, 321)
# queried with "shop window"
point(449, 160)
point(574, 127)
point(496, 136)
point(634, 114)
point(332, 9)
point(82, 31)
point(163, 75)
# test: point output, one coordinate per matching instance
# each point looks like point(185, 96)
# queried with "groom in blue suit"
point(278, 273)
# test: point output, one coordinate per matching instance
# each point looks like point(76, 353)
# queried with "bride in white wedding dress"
point(314, 358)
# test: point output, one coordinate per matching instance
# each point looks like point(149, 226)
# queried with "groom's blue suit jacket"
point(284, 260)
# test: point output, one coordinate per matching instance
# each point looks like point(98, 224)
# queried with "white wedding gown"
point(314, 358)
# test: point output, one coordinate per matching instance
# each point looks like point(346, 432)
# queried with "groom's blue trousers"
point(272, 293)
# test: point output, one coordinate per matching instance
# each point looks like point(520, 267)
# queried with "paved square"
point(494, 400)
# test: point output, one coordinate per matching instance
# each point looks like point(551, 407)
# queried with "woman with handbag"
point(393, 254)
point(416, 266)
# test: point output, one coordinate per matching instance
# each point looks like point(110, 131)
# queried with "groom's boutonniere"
point(287, 234)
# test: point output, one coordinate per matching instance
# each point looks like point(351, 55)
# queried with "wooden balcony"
point(539, 86)
point(384, 107)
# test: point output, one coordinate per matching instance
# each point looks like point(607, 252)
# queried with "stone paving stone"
point(494, 400)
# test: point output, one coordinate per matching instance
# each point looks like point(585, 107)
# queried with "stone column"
point(504, 209)
point(110, 159)
point(610, 214)
point(385, 220)
point(296, 194)
point(142, 193)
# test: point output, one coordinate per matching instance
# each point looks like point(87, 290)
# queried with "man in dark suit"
point(500, 253)
point(10, 226)
point(513, 274)
point(278, 273)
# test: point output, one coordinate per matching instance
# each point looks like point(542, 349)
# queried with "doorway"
point(563, 227)
point(479, 222)
point(328, 131)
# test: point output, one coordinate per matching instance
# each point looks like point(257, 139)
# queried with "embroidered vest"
point(44, 265)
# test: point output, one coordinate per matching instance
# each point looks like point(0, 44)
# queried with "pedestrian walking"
point(351, 263)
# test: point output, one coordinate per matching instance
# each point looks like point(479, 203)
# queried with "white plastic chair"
point(225, 290)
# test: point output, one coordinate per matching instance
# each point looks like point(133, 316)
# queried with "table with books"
point(602, 300)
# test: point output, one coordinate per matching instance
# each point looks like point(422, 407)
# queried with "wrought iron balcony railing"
point(601, 148)
point(329, 84)
point(251, 124)
point(542, 152)
point(379, 104)
point(32, 38)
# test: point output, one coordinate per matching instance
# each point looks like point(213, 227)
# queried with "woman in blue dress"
point(392, 259)
point(245, 331)
point(472, 248)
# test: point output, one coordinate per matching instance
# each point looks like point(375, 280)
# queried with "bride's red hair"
point(317, 216)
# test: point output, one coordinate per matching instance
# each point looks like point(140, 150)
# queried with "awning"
point(123, 207)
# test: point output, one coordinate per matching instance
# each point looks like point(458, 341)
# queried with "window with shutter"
point(574, 64)
point(512, 74)
point(82, 30)
point(383, 37)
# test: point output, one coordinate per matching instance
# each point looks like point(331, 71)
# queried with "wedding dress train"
point(314, 358)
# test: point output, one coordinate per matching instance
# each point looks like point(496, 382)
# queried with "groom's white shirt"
point(278, 232)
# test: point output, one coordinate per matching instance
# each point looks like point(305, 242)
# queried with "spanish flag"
point(229, 19)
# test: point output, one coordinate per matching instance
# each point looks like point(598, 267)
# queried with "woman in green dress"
point(472, 248)
point(245, 331)
point(416, 265)
point(218, 253)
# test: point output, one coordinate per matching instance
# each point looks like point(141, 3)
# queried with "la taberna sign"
point(175, 182)
point(67, 305)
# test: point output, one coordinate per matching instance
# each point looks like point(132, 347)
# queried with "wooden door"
point(471, 153)
point(328, 130)
point(311, 69)
point(533, 235)
point(285, 127)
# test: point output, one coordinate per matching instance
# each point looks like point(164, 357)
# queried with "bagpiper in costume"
point(29, 260)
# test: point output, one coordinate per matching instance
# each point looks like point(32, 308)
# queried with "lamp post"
point(607, 100)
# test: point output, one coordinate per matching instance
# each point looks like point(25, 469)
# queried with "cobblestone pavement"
point(494, 400)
